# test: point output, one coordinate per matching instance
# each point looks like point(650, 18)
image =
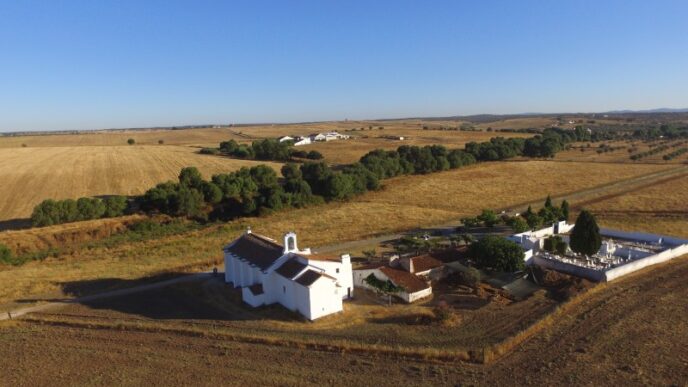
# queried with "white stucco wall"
point(412, 297)
point(340, 270)
point(324, 298)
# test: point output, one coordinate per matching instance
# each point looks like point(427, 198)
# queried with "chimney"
point(290, 243)
point(411, 268)
point(248, 230)
point(346, 259)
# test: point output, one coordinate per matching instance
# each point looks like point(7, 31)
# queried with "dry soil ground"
point(630, 332)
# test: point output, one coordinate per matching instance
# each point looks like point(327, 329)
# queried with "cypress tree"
point(565, 211)
point(548, 202)
point(585, 236)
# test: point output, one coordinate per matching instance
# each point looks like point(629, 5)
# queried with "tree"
point(131, 141)
point(115, 206)
point(189, 202)
point(161, 142)
point(564, 211)
point(314, 155)
point(585, 236)
point(190, 177)
point(497, 253)
point(548, 202)
point(518, 224)
point(489, 218)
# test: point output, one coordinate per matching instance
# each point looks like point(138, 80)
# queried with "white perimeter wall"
point(638, 264)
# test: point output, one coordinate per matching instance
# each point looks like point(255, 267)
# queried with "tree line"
point(258, 190)
point(50, 212)
point(267, 149)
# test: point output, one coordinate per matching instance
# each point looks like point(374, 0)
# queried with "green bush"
point(497, 253)
point(470, 277)
point(5, 255)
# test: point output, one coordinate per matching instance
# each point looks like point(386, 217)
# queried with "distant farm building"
point(315, 137)
point(267, 273)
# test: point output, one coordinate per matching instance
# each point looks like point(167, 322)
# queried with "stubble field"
point(30, 175)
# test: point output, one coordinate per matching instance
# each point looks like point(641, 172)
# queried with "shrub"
point(314, 155)
point(470, 277)
point(131, 141)
point(161, 142)
point(209, 151)
point(5, 254)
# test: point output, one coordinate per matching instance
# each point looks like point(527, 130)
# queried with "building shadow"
point(206, 298)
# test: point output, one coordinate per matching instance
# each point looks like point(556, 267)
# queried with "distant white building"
point(286, 138)
point(267, 273)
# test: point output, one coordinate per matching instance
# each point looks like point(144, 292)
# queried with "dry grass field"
point(404, 203)
point(580, 152)
point(599, 338)
point(31, 175)
point(659, 208)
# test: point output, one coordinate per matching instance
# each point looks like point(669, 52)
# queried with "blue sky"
point(104, 64)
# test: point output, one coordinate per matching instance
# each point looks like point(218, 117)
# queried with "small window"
point(337, 270)
point(284, 289)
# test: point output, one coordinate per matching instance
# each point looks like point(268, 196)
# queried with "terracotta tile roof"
point(256, 249)
point(308, 278)
point(410, 282)
point(290, 268)
point(424, 263)
point(256, 289)
point(370, 266)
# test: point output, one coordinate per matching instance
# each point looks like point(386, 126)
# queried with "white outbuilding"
point(267, 273)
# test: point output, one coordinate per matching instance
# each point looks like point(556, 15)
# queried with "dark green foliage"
point(88, 208)
point(488, 218)
point(271, 149)
point(518, 224)
point(564, 211)
point(382, 286)
point(50, 212)
point(189, 202)
point(585, 236)
point(6, 256)
point(314, 155)
point(209, 151)
point(115, 206)
point(131, 141)
point(190, 177)
point(470, 277)
point(497, 253)
point(211, 192)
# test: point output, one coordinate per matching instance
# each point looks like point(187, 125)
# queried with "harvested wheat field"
point(31, 175)
point(196, 137)
point(404, 203)
point(600, 338)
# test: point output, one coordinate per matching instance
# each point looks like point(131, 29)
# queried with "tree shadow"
point(15, 224)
